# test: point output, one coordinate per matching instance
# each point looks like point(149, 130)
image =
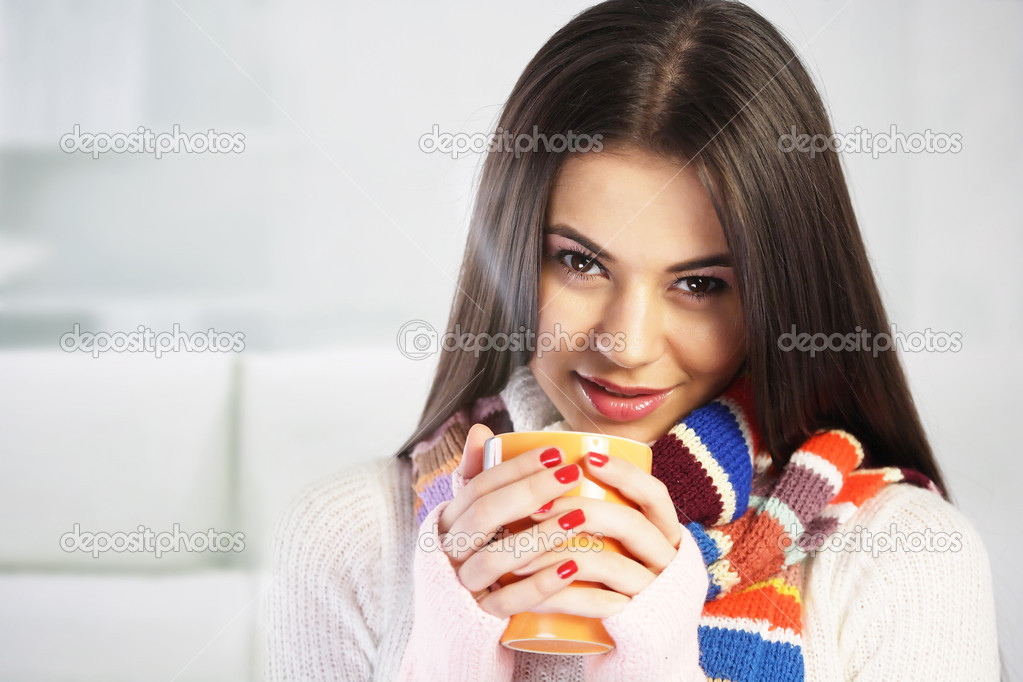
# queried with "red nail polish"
point(567, 569)
point(546, 508)
point(572, 519)
point(567, 474)
point(550, 458)
point(597, 459)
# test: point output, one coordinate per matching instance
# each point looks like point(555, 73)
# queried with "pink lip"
point(636, 401)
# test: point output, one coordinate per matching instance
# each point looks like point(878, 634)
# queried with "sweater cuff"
point(657, 632)
point(452, 637)
point(457, 482)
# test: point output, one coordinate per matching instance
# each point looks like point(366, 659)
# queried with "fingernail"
point(550, 458)
point(572, 519)
point(597, 459)
point(567, 474)
point(567, 569)
point(546, 508)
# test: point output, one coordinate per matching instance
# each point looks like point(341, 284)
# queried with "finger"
point(598, 518)
point(503, 474)
point(510, 551)
point(588, 602)
point(603, 519)
point(645, 491)
point(505, 504)
point(615, 571)
point(555, 509)
point(525, 594)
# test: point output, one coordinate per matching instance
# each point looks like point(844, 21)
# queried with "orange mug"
point(561, 633)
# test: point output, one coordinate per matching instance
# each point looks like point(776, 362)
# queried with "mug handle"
point(491, 452)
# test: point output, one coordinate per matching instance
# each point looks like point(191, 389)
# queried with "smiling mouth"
point(621, 403)
point(623, 391)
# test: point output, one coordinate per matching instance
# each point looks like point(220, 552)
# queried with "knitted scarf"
point(754, 524)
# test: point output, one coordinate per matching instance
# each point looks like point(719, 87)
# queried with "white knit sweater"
point(339, 605)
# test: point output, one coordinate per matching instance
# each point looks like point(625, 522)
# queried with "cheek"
point(709, 345)
point(548, 301)
point(564, 308)
point(563, 314)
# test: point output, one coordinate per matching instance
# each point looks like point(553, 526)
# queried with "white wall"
point(333, 228)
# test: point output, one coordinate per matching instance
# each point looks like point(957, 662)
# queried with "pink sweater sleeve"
point(452, 637)
point(656, 634)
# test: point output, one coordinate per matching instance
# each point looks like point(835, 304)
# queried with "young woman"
point(680, 225)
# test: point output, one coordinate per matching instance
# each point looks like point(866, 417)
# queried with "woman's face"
point(632, 247)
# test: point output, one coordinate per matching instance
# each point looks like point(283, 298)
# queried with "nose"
point(637, 313)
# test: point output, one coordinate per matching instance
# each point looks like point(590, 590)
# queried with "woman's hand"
point(495, 498)
point(520, 488)
point(651, 534)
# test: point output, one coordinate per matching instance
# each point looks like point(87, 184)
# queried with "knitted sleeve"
point(452, 637)
point(906, 595)
point(323, 600)
point(656, 632)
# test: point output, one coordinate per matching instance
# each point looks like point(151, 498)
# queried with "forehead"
point(637, 201)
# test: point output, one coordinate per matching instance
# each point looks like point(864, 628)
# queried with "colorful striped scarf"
point(753, 523)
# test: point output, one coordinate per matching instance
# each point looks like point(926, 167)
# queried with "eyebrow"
point(719, 259)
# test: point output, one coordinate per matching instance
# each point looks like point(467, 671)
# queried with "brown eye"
point(579, 263)
point(700, 286)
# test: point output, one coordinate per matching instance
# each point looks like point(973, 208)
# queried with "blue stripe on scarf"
point(719, 431)
point(710, 552)
point(739, 655)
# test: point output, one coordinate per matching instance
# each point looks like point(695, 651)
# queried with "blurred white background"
point(332, 229)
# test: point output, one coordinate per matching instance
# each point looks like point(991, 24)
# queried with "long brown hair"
point(712, 82)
